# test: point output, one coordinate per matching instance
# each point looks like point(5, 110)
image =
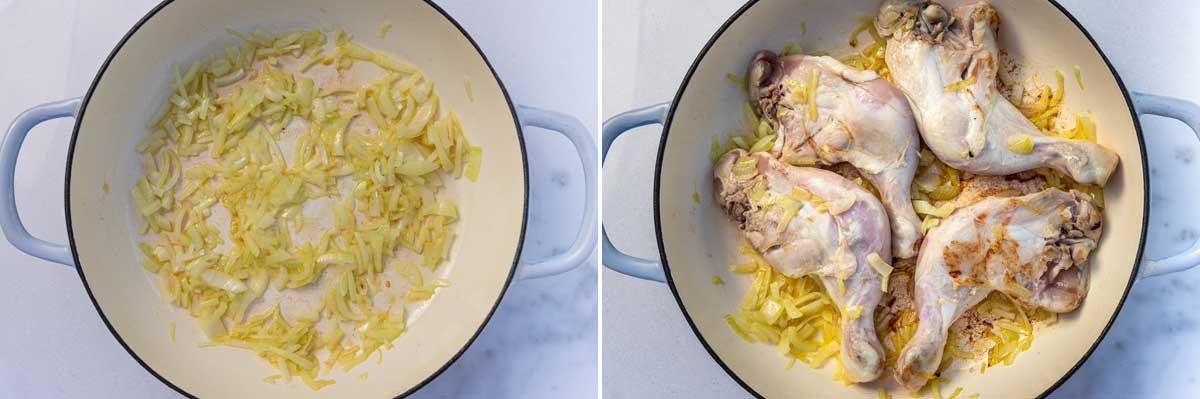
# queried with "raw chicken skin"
point(860, 119)
point(830, 236)
point(1033, 248)
point(946, 63)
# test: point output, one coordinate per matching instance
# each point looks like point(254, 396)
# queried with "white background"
point(541, 343)
point(649, 350)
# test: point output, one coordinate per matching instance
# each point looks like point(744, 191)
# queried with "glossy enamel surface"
point(697, 243)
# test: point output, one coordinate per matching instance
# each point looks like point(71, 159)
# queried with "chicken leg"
point(1032, 248)
point(857, 118)
point(946, 63)
point(809, 221)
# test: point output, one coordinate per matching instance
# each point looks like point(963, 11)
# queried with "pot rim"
point(662, 252)
point(496, 304)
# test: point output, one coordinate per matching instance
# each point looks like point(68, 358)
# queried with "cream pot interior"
point(1040, 36)
point(128, 93)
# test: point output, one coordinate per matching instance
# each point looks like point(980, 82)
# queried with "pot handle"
point(1189, 113)
point(614, 127)
point(585, 145)
point(10, 221)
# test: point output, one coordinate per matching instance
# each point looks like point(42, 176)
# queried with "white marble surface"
point(649, 351)
point(541, 343)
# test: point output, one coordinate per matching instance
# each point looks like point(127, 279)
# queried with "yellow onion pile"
point(222, 204)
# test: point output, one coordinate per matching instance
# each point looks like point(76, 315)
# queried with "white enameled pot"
point(1038, 33)
point(134, 81)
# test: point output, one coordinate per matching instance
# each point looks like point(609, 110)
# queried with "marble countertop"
point(649, 351)
point(541, 342)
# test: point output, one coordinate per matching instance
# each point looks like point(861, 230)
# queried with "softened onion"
point(216, 149)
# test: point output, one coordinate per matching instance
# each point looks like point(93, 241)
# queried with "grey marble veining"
point(1150, 350)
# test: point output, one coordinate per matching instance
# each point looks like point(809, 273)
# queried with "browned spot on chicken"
point(1002, 250)
point(977, 188)
point(928, 47)
point(960, 252)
